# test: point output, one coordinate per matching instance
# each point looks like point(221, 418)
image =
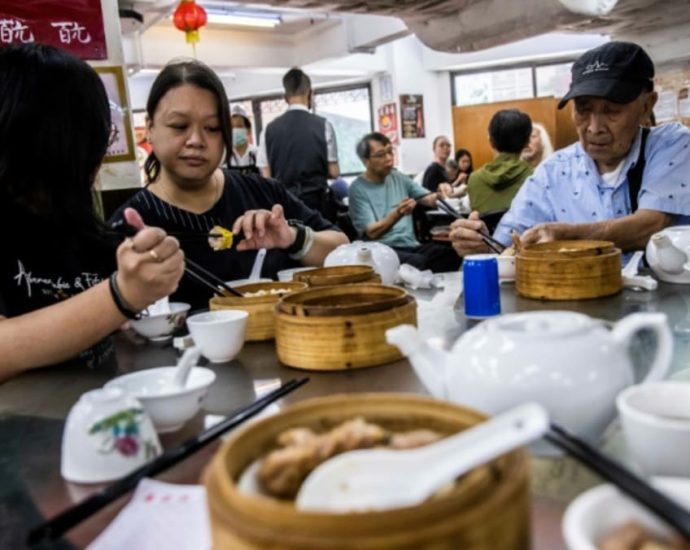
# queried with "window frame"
point(532, 65)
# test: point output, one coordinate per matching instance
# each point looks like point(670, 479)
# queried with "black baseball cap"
point(617, 71)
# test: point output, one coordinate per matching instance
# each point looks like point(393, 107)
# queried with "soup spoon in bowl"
point(380, 479)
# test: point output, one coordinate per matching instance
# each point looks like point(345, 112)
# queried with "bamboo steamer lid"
point(338, 275)
point(568, 270)
point(487, 509)
point(261, 320)
point(341, 327)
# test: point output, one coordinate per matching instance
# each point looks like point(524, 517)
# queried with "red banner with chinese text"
point(74, 25)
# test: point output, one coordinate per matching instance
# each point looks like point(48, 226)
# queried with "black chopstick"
point(634, 486)
point(492, 243)
point(208, 278)
point(64, 521)
point(446, 207)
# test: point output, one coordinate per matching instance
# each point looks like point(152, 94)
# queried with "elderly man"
point(381, 201)
point(299, 148)
point(619, 182)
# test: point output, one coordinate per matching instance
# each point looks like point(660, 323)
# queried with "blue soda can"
point(480, 278)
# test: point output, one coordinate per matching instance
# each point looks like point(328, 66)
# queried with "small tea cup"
point(220, 334)
point(656, 425)
point(108, 434)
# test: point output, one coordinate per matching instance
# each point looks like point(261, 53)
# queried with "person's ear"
point(649, 101)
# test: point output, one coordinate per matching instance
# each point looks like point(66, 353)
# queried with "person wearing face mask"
point(620, 182)
point(299, 148)
point(243, 156)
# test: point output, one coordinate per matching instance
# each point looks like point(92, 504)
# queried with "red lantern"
point(189, 17)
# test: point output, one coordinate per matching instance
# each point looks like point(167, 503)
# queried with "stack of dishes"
point(259, 301)
point(341, 327)
point(568, 270)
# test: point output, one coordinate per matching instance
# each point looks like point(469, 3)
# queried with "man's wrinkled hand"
point(465, 235)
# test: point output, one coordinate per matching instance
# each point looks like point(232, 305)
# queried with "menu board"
point(412, 115)
point(75, 26)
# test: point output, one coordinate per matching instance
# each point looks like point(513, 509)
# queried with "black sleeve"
point(434, 175)
point(3, 307)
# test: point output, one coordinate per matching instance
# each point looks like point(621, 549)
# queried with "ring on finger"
point(154, 255)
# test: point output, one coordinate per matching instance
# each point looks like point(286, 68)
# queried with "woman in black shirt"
point(65, 284)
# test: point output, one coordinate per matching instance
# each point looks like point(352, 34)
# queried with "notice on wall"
point(75, 26)
point(388, 122)
point(666, 109)
point(412, 115)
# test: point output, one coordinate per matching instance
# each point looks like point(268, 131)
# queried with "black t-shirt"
point(433, 175)
point(42, 264)
point(240, 193)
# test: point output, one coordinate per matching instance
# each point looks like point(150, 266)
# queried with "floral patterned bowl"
point(107, 435)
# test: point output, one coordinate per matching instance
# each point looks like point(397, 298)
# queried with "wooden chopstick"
point(208, 278)
point(64, 521)
point(634, 486)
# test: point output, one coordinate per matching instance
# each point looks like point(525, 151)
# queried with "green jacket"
point(494, 185)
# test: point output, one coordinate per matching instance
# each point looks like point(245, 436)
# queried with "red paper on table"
point(75, 26)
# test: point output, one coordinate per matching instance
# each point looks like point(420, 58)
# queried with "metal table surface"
point(33, 407)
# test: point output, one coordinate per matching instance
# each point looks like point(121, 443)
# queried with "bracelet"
point(298, 245)
point(308, 243)
point(120, 302)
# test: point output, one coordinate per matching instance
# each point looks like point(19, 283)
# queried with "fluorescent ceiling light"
point(244, 19)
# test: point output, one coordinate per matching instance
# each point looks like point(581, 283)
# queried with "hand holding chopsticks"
point(63, 522)
point(492, 243)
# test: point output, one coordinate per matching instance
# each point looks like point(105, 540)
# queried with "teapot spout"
point(671, 258)
point(428, 363)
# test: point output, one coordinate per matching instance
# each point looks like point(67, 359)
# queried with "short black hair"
point(196, 73)
point(55, 124)
point(296, 83)
point(510, 130)
point(363, 147)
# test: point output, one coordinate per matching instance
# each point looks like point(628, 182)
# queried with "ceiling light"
point(244, 19)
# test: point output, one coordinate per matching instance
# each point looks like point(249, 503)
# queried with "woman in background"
point(436, 171)
point(243, 156)
point(65, 284)
point(187, 192)
point(539, 147)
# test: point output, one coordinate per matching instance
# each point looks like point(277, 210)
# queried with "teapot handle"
point(625, 328)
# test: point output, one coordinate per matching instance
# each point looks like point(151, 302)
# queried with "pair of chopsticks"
point(122, 228)
point(634, 486)
point(63, 522)
point(207, 278)
point(497, 246)
point(192, 269)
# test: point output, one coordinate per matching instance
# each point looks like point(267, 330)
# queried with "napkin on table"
point(160, 515)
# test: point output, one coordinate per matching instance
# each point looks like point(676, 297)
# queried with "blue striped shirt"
point(568, 188)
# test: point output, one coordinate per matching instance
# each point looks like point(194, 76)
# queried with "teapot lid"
point(541, 324)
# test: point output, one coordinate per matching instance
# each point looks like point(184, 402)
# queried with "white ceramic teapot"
point(381, 257)
point(668, 253)
point(569, 363)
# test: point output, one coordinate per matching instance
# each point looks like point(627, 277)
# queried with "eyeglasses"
point(384, 152)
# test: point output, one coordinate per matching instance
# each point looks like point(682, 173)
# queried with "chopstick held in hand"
point(63, 522)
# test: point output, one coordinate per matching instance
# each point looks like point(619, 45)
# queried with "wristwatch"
point(295, 247)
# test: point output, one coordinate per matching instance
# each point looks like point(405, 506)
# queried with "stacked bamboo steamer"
point(568, 270)
point(338, 275)
point(487, 509)
point(261, 322)
point(341, 327)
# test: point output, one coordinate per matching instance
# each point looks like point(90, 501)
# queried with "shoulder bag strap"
point(635, 173)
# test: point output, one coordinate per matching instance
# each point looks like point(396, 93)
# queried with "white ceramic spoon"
point(379, 479)
point(258, 264)
point(189, 359)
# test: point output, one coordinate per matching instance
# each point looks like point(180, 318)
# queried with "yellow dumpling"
point(220, 238)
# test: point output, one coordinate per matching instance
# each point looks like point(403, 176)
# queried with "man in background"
point(381, 203)
point(299, 148)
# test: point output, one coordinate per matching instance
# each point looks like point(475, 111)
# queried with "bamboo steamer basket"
point(487, 509)
point(338, 275)
point(568, 270)
point(261, 309)
point(341, 327)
